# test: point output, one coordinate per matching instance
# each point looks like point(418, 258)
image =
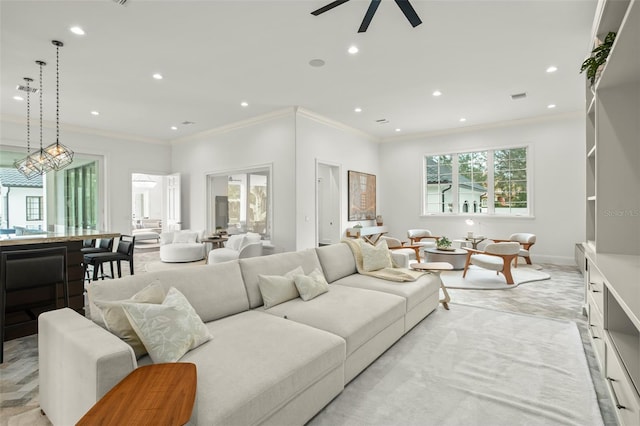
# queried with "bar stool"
point(124, 252)
point(105, 246)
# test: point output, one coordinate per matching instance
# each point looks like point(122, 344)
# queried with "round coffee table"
point(455, 257)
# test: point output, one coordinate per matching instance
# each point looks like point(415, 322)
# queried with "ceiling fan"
point(404, 6)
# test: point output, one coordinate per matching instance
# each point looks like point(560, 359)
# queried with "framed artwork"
point(362, 196)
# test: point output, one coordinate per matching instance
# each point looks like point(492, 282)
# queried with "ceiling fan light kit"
point(404, 5)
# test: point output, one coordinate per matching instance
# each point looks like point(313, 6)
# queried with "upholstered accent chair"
point(402, 247)
point(238, 246)
point(525, 240)
point(182, 246)
point(495, 257)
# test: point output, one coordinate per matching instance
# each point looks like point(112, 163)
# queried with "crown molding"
point(479, 127)
point(236, 125)
point(84, 130)
point(303, 112)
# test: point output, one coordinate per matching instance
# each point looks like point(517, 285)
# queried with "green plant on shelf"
point(443, 242)
point(593, 64)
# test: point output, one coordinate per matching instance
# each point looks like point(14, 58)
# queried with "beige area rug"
point(484, 279)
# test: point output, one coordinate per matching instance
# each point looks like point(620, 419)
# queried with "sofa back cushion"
point(277, 264)
point(214, 291)
point(337, 261)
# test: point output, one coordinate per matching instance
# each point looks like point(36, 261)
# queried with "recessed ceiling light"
point(95, 113)
point(18, 98)
point(77, 30)
point(552, 69)
point(462, 120)
point(158, 76)
point(437, 93)
point(353, 50)
point(174, 128)
point(244, 104)
point(358, 109)
point(398, 130)
point(550, 106)
point(316, 63)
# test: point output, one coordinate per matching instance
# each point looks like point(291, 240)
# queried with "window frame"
point(456, 210)
point(29, 208)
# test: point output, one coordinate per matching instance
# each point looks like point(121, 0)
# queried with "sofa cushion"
point(235, 242)
point(413, 291)
point(337, 261)
point(276, 289)
point(116, 321)
point(310, 286)
point(274, 265)
point(214, 291)
point(256, 363)
point(168, 330)
point(354, 314)
point(185, 237)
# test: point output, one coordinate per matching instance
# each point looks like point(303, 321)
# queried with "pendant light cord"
point(28, 80)
point(57, 94)
point(41, 65)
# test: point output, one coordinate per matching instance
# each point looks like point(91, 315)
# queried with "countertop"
point(55, 237)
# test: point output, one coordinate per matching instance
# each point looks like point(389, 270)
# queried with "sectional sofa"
point(278, 365)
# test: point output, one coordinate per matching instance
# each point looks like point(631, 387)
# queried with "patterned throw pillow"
point(375, 257)
point(312, 285)
point(117, 322)
point(169, 330)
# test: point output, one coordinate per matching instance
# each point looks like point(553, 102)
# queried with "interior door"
point(174, 218)
point(328, 208)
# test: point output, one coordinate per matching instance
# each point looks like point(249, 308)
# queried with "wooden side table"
point(436, 268)
point(158, 394)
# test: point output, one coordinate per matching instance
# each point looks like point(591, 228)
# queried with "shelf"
point(592, 152)
point(623, 63)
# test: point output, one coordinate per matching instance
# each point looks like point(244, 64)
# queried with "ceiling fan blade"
point(409, 12)
point(328, 7)
point(369, 15)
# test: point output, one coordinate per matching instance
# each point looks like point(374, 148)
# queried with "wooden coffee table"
point(159, 394)
point(436, 268)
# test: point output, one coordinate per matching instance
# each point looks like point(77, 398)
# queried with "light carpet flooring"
point(560, 297)
point(484, 279)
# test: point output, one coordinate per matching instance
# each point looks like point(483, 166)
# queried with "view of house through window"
point(489, 182)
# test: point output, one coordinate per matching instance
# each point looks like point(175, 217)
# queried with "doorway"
point(155, 202)
point(327, 203)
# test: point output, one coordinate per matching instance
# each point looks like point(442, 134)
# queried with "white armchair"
point(181, 246)
point(495, 257)
point(238, 246)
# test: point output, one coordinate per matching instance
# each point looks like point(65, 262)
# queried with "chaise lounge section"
point(275, 365)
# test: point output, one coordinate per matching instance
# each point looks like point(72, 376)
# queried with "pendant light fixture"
point(25, 165)
point(61, 156)
point(42, 161)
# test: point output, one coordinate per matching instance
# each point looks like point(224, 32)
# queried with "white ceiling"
point(216, 54)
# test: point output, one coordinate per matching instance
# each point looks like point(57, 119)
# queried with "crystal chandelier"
point(61, 156)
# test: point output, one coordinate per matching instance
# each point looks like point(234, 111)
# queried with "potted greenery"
point(593, 64)
point(443, 244)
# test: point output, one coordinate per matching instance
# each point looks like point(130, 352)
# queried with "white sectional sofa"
point(279, 365)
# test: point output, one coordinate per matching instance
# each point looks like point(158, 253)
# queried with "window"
point(34, 208)
point(80, 191)
point(488, 182)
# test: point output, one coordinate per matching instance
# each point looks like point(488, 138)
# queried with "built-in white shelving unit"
point(612, 250)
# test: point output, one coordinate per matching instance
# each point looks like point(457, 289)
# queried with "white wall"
point(119, 157)
point(558, 189)
point(318, 139)
point(262, 141)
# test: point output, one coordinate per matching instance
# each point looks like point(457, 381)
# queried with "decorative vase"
point(379, 220)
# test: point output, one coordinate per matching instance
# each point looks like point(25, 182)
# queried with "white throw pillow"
point(116, 320)
point(312, 285)
point(276, 289)
point(169, 330)
point(375, 257)
point(185, 237)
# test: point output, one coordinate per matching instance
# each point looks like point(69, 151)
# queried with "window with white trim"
point(480, 182)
